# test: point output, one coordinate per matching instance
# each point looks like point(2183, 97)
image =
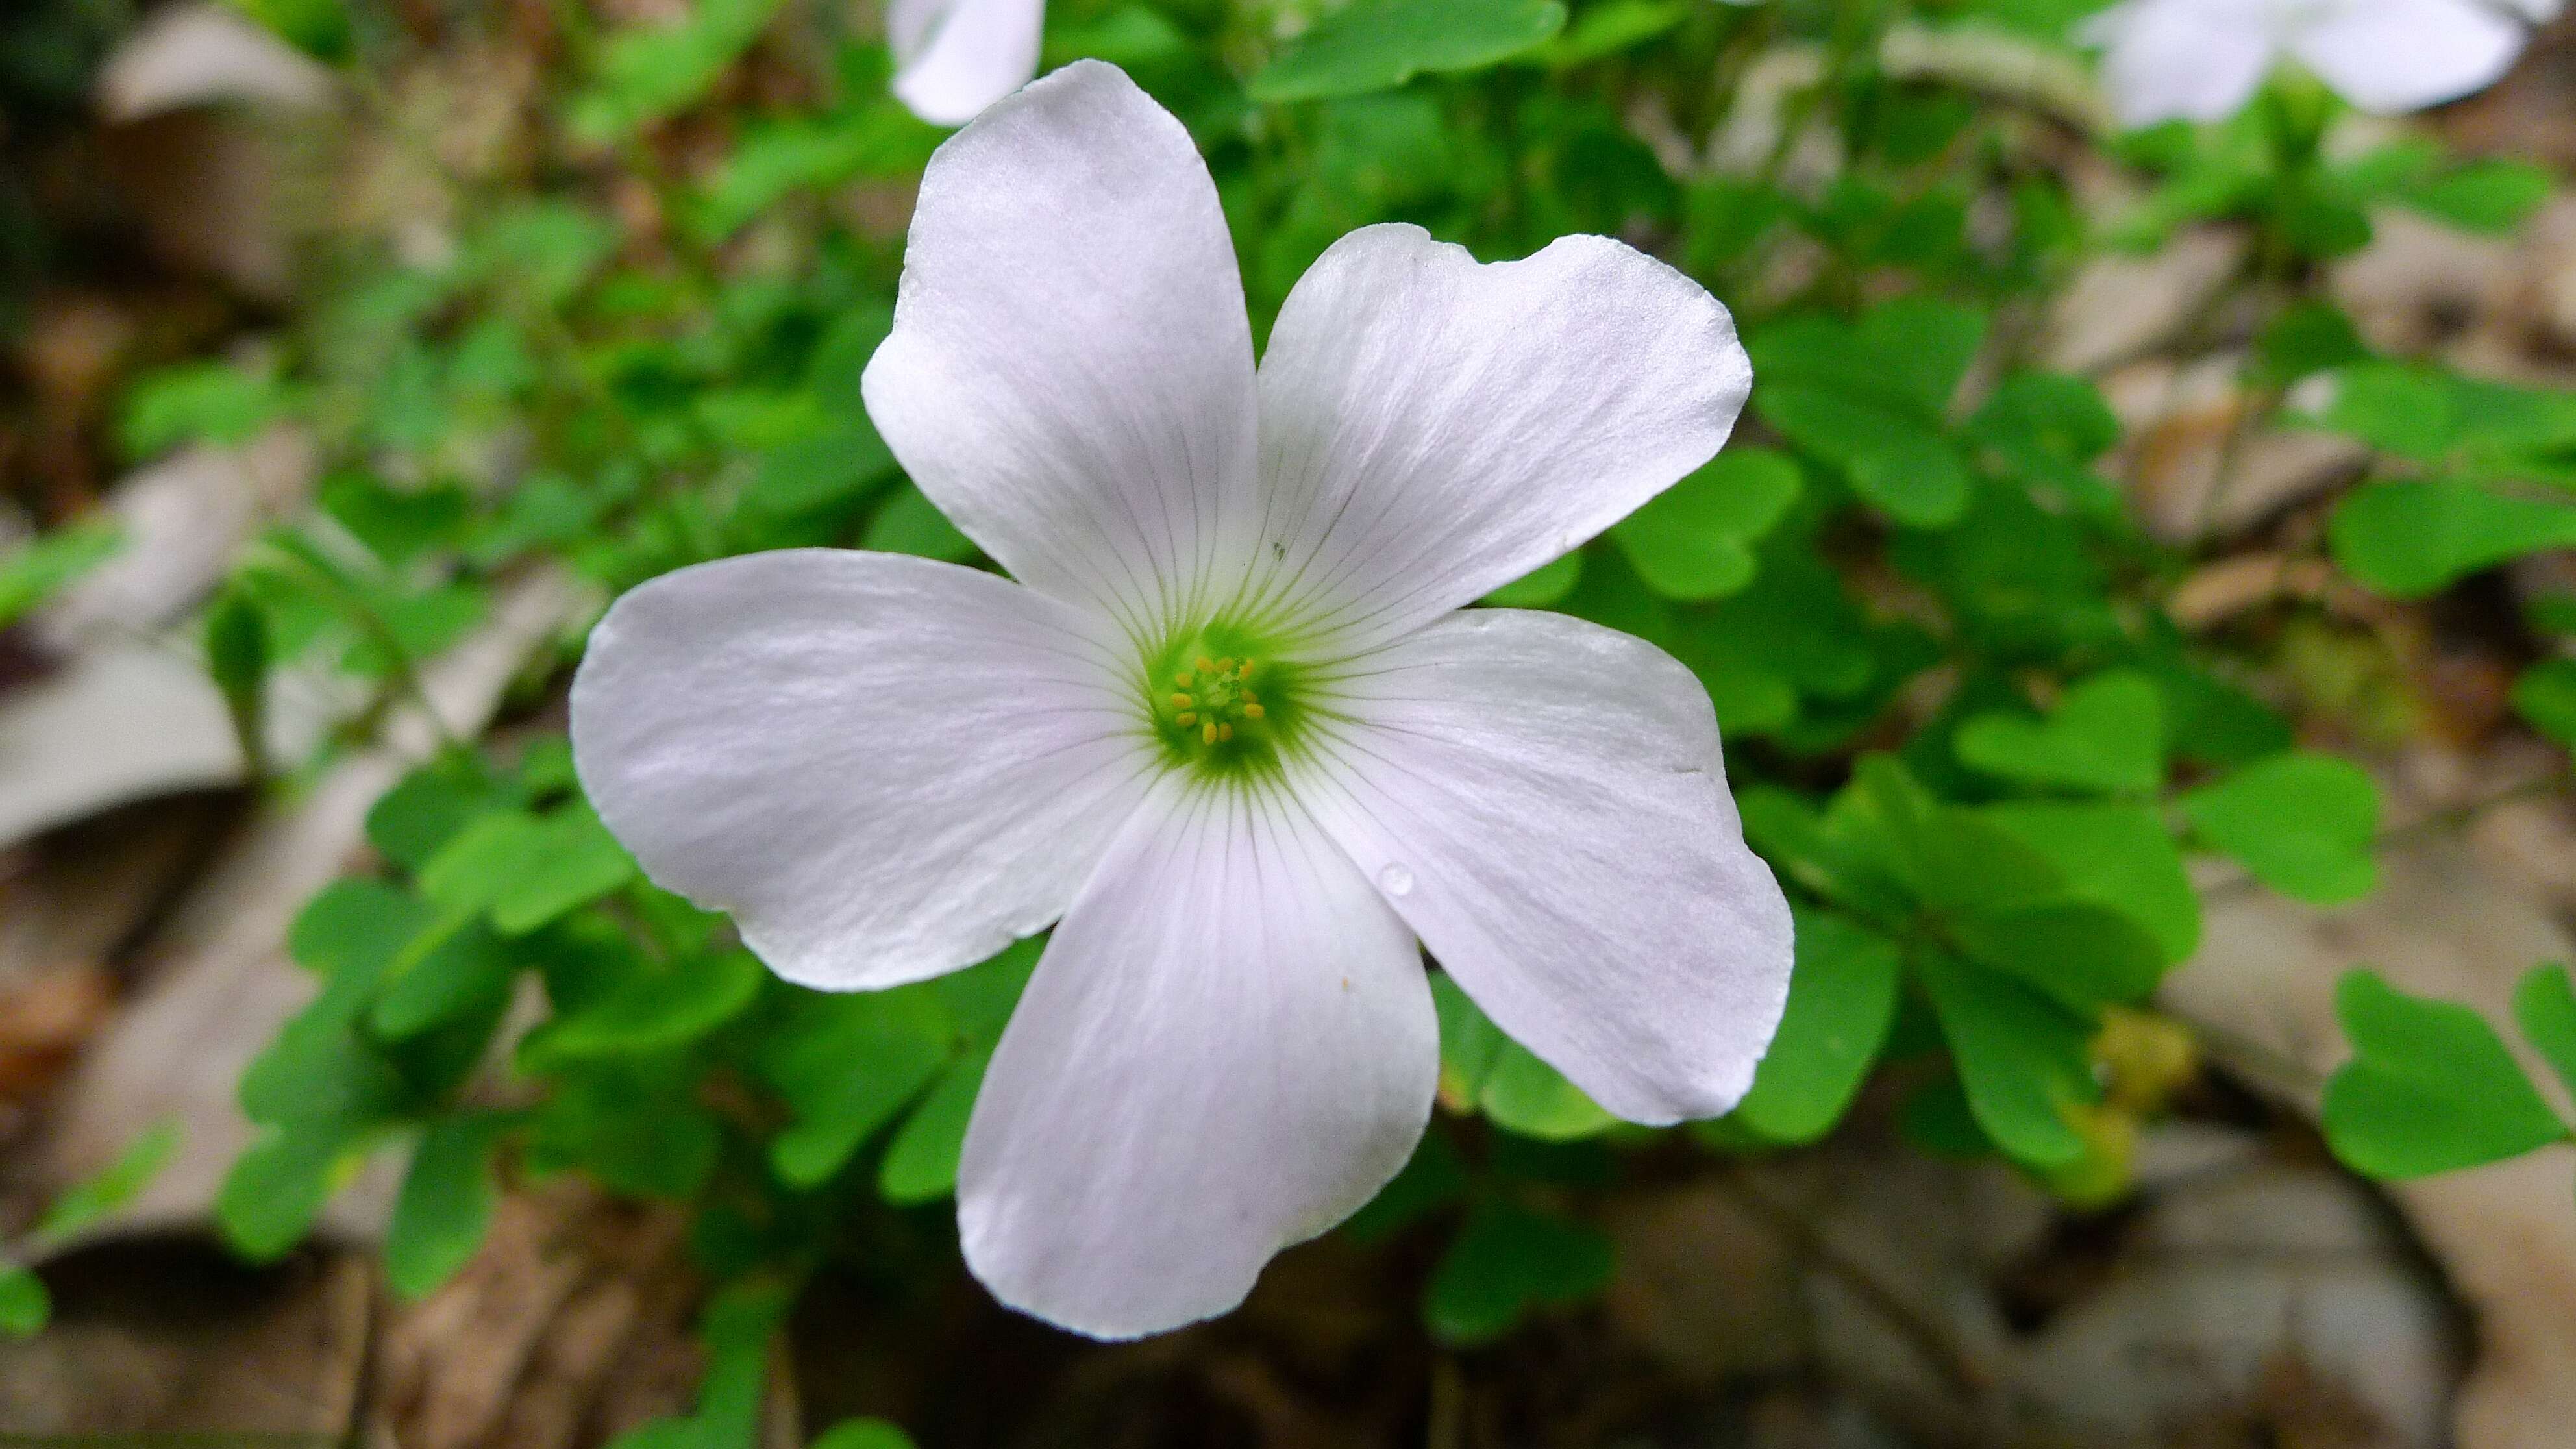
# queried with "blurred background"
point(2181, 509)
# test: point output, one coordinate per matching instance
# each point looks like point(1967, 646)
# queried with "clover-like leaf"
point(2430, 1087)
point(1842, 999)
point(1378, 44)
point(2022, 1058)
point(2301, 823)
point(2545, 1005)
point(445, 1205)
point(1694, 540)
point(2106, 734)
point(2413, 537)
point(1506, 1261)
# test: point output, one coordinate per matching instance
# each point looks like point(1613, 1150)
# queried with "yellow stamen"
point(1207, 733)
point(1207, 664)
point(1225, 732)
point(1225, 666)
point(1181, 701)
point(1182, 679)
point(1245, 673)
point(1252, 711)
point(1189, 717)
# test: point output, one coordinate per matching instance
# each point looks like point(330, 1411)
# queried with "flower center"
point(1219, 703)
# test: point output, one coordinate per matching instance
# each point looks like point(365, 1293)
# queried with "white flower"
point(955, 57)
point(2201, 60)
point(1230, 723)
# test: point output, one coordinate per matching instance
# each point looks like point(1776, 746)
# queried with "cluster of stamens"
point(1213, 696)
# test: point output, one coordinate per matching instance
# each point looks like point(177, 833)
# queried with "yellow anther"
point(1245, 673)
point(1225, 732)
point(1207, 664)
point(1182, 679)
point(1251, 698)
point(1181, 701)
point(1189, 717)
point(1225, 665)
point(1207, 733)
point(1252, 711)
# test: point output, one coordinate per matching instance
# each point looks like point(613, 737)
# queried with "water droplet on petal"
point(1395, 880)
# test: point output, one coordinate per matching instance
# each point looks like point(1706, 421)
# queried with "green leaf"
point(649, 1011)
point(44, 567)
point(2022, 1058)
point(2082, 954)
point(1547, 584)
point(1925, 346)
point(647, 72)
point(2411, 538)
point(921, 1163)
point(2306, 339)
point(863, 1434)
point(25, 1306)
point(277, 1187)
point(2302, 823)
point(1694, 540)
point(1612, 26)
point(445, 1206)
point(846, 1066)
point(1507, 1261)
point(2119, 856)
point(526, 870)
point(2546, 696)
point(575, 862)
point(2492, 196)
point(1842, 999)
point(111, 1188)
point(818, 472)
point(2545, 1005)
point(2106, 734)
point(1902, 467)
point(910, 523)
point(319, 28)
point(210, 402)
point(1530, 1097)
point(441, 976)
point(2430, 1087)
point(1433, 1178)
point(1379, 44)
point(431, 804)
point(1470, 1044)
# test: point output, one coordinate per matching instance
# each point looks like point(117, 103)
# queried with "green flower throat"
point(1223, 704)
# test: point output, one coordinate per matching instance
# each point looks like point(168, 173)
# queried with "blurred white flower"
point(1230, 723)
point(2201, 60)
point(955, 57)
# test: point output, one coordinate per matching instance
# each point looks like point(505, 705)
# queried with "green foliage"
point(1506, 1262)
point(1695, 540)
point(25, 1306)
point(2430, 1086)
point(2106, 735)
point(2412, 537)
point(1963, 725)
point(1375, 44)
point(1842, 1000)
point(2302, 823)
point(36, 572)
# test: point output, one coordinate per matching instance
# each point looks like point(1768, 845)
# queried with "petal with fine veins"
point(884, 767)
point(2393, 56)
point(1070, 372)
point(1228, 1047)
point(1432, 428)
point(1542, 800)
point(955, 57)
